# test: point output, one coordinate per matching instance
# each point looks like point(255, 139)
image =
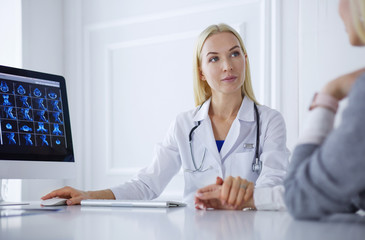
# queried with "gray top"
point(330, 177)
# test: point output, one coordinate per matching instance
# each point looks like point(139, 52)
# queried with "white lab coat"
point(234, 158)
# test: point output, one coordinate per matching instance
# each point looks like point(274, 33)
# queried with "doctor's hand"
point(73, 195)
point(340, 87)
point(232, 193)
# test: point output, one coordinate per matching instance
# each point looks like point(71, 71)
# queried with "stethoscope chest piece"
point(257, 166)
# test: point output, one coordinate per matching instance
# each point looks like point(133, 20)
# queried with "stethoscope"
point(256, 163)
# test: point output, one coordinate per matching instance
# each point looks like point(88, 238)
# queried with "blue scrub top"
point(219, 144)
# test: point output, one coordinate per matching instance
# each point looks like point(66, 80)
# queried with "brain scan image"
point(58, 141)
point(41, 116)
point(6, 101)
point(37, 92)
point(56, 116)
point(4, 87)
point(21, 90)
point(24, 112)
point(9, 126)
point(44, 140)
point(9, 113)
point(40, 104)
point(11, 138)
point(56, 129)
point(41, 128)
point(55, 106)
point(24, 101)
point(25, 128)
point(28, 139)
point(52, 95)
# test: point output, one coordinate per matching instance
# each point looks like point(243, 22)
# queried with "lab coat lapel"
point(205, 136)
point(204, 133)
point(246, 113)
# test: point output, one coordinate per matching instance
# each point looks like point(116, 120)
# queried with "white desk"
point(88, 223)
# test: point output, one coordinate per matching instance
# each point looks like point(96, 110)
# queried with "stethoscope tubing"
point(256, 164)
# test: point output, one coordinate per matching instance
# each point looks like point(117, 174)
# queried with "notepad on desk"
point(131, 203)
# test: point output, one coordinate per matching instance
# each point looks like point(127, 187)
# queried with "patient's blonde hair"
point(202, 90)
point(358, 17)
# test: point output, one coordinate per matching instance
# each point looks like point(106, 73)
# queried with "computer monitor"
point(35, 130)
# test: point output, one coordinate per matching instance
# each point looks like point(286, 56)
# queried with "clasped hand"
point(230, 194)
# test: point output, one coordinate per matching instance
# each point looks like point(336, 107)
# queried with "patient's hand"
point(232, 193)
point(73, 195)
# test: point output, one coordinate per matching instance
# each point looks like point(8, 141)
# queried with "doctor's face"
point(223, 63)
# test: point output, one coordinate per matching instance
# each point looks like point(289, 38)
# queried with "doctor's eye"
point(213, 59)
point(235, 54)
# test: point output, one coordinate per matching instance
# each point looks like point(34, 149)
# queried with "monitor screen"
point(35, 126)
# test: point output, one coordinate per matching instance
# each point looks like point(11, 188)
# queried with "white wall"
point(315, 50)
point(10, 42)
point(295, 46)
point(324, 49)
point(11, 55)
point(42, 50)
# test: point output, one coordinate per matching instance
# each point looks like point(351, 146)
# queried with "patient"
point(327, 171)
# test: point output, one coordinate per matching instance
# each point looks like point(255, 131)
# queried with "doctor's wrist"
point(248, 205)
point(101, 194)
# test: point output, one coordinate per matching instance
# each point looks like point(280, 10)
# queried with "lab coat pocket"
point(241, 165)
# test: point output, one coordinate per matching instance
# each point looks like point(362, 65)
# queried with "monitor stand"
point(3, 186)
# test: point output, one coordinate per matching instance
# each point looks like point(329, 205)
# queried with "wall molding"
point(201, 8)
point(110, 49)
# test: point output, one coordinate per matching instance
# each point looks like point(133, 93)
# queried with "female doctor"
point(218, 138)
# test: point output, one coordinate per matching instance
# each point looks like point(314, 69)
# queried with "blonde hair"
point(202, 90)
point(358, 17)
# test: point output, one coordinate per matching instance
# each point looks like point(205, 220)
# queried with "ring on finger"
point(244, 186)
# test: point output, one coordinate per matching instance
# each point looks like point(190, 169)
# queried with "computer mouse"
point(54, 202)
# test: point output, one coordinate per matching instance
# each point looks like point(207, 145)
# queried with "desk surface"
point(79, 223)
